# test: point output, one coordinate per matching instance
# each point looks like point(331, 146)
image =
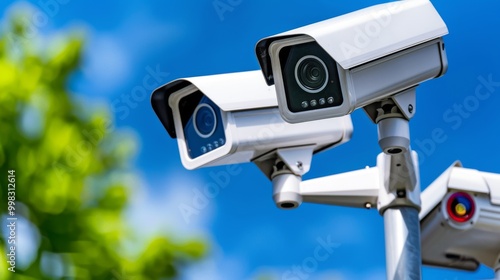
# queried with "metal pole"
point(399, 194)
point(399, 204)
point(402, 243)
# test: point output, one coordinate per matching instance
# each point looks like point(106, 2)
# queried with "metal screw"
point(401, 193)
point(300, 166)
point(410, 108)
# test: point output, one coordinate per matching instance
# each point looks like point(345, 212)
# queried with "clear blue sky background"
point(250, 236)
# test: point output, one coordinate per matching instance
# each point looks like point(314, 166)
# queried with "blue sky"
point(129, 40)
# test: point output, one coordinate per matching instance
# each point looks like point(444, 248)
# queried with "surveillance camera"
point(460, 219)
point(330, 68)
point(234, 118)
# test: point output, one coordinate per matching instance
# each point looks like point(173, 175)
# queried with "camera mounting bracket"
point(405, 102)
point(285, 167)
point(290, 165)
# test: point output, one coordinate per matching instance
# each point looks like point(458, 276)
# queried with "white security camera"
point(460, 219)
point(234, 118)
point(330, 68)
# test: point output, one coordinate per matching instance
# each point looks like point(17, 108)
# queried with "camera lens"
point(205, 120)
point(311, 74)
point(460, 207)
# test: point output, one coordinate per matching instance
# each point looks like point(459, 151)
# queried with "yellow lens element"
point(460, 209)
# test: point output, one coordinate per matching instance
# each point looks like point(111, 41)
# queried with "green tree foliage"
point(73, 174)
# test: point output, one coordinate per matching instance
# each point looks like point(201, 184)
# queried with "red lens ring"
point(465, 218)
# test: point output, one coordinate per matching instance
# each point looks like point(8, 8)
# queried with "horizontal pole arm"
point(358, 188)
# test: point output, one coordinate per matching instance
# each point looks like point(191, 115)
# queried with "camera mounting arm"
point(360, 188)
point(394, 182)
point(357, 188)
point(393, 185)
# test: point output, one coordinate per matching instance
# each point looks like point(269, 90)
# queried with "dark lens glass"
point(311, 74)
point(205, 120)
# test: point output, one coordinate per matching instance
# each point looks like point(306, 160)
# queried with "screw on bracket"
point(410, 109)
point(401, 193)
point(300, 165)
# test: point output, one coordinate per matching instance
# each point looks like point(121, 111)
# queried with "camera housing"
point(330, 68)
point(234, 118)
point(460, 219)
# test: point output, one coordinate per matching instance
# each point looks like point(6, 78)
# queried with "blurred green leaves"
point(72, 173)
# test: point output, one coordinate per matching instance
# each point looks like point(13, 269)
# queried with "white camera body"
point(330, 68)
point(460, 219)
point(234, 118)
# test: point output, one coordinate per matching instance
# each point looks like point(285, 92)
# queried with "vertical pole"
point(402, 243)
point(399, 193)
point(399, 204)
